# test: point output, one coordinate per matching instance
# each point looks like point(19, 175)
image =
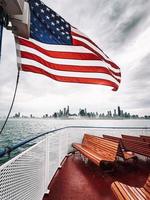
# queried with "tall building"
point(67, 111)
point(115, 114)
point(85, 112)
point(64, 111)
point(119, 111)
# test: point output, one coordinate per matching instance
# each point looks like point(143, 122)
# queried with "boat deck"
point(85, 181)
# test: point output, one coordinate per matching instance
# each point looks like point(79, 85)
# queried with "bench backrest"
point(118, 140)
point(145, 138)
point(147, 185)
point(112, 138)
point(101, 146)
point(139, 147)
point(132, 137)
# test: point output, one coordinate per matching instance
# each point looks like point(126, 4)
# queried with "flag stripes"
point(61, 78)
point(77, 64)
point(30, 51)
point(81, 62)
point(63, 53)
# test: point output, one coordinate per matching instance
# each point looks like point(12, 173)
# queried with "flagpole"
point(1, 33)
point(14, 96)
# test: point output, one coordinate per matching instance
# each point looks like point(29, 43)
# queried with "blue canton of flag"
point(47, 26)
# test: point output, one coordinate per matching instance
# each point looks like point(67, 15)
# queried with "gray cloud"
point(116, 26)
point(143, 70)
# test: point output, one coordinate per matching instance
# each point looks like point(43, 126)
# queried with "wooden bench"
point(97, 149)
point(126, 192)
point(130, 137)
point(145, 138)
point(139, 147)
point(122, 152)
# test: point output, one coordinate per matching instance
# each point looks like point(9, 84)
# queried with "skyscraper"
point(119, 111)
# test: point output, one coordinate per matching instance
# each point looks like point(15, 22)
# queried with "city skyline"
point(121, 29)
point(116, 113)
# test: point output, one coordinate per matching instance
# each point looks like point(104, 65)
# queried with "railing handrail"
point(9, 149)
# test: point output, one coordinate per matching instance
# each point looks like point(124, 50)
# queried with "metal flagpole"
point(14, 96)
point(21, 29)
point(1, 32)
point(17, 82)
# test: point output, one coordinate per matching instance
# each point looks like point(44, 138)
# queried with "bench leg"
point(108, 166)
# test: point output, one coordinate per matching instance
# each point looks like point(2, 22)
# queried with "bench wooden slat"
point(142, 148)
point(126, 192)
point(121, 151)
point(131, 137)
point(145, 138)
point(97, 149)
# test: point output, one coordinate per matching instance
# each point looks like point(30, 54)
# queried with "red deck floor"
point(79, 181)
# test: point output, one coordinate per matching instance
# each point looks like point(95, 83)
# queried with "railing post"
point(60, 141)
point(67, 141)
point(47, 163)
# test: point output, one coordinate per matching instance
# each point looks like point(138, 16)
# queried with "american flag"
point(61, 52)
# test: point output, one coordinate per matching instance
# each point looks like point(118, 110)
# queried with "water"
point(21, 129)
point(18, 130)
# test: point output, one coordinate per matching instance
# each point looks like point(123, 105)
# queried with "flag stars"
point(52, 23)
point(62, 28)
point(47, 17)
point(37, 4)
point(62, 20)
point(48, 26)
point(42, 11)
point(52, 15)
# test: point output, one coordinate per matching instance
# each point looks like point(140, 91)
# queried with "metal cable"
point(17, 81)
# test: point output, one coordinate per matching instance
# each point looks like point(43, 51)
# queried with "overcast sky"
point(121, 29)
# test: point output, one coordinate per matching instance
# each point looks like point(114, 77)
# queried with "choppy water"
point(18, 130)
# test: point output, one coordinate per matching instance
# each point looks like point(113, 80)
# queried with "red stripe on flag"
point(34, 69)
point(89, 40)
point(80, 43)
point(59, 54)
point(84, 37)
point(71, 68)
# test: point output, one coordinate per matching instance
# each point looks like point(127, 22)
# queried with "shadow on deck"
point(79, 181)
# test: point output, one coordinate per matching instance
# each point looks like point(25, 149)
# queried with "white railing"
point(27, 176)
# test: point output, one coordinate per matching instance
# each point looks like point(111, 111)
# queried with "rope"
point(17, 81)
